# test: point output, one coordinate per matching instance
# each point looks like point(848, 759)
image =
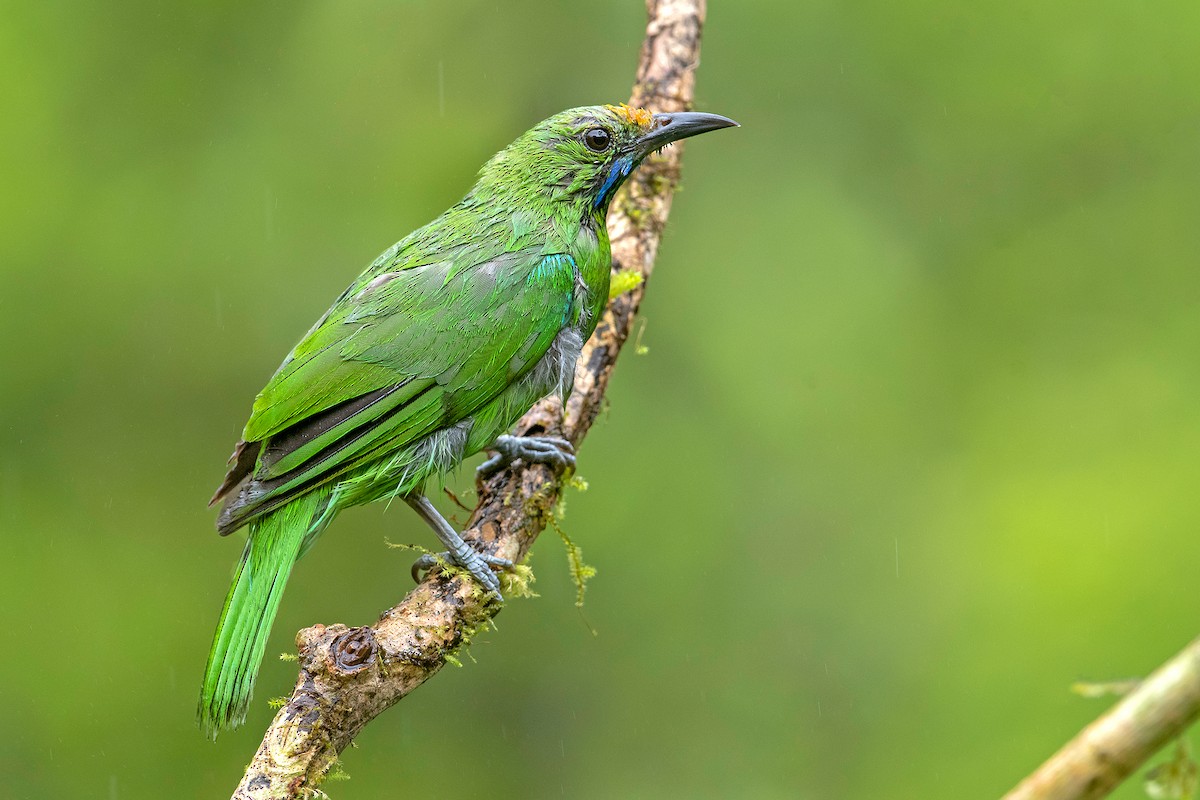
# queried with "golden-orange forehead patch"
point(636, 116)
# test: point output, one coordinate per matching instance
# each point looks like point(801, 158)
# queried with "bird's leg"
point(457, 551)
point(551, 450)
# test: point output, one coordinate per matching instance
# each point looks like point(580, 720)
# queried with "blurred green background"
point(913, 447)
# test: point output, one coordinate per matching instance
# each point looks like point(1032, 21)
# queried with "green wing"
point(403, 353)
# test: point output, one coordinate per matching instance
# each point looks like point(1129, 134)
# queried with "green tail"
point(276, 541)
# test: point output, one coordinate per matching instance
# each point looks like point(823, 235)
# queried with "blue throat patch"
point(620, 170)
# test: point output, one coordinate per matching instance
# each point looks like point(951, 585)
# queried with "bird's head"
point(585, 154)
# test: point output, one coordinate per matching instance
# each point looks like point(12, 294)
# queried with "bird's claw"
point(554, 451)
point(480, 565)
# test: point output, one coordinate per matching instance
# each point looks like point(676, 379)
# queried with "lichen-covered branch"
point(1107, 751)
point(350, 675)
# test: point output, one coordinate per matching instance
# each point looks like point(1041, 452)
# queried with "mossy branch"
point(348, 676)
point(1108, 751)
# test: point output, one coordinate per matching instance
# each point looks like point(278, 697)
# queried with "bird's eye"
point(597, 139)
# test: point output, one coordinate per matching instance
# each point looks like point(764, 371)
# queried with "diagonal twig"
point(348, 676)
point(1107, 751)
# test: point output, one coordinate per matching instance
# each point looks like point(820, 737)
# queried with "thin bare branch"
point(1108, 751)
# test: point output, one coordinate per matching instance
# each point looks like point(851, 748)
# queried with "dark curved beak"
point(679, 125)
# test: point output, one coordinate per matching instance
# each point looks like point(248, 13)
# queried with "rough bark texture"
point(1108, 751)
point(349, 675)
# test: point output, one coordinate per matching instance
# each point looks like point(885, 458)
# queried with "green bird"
point(437, 348)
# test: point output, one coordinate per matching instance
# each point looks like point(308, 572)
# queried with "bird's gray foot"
point(431, 560)
point(551, 450)
point(458, 552)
